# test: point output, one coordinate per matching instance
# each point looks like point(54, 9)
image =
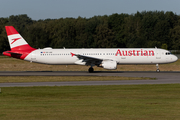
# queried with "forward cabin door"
point(158, 54)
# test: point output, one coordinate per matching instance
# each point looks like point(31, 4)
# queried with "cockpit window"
point(168, 53)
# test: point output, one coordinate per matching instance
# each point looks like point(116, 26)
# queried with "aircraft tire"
point(157, 70)
point(91, 70)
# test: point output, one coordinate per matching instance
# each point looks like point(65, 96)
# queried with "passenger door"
point(158, 54)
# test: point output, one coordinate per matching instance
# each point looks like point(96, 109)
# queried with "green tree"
point(175, 37)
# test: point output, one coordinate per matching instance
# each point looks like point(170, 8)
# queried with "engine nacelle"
point(110, 65)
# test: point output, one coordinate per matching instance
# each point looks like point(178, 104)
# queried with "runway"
point(164, 77)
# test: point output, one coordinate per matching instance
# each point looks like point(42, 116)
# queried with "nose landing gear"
point(157, 70)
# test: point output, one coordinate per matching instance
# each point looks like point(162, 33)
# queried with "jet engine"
point(110, 65)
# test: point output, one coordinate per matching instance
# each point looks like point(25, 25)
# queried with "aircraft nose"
point(175, 58)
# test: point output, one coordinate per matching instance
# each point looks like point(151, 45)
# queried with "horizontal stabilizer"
point(12, 54)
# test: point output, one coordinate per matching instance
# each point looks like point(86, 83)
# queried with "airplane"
point(100, 57)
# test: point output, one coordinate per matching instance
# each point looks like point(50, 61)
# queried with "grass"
point(145, 102)
point(12, 64)
point(16, 79)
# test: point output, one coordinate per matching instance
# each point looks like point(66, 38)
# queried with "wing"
point(87, 60)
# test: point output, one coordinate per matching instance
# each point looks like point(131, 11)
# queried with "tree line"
point(145, 29)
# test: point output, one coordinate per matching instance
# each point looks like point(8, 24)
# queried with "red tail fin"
point(19, 47)
point(16, 41)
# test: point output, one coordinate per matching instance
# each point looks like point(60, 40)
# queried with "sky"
point(54, 9)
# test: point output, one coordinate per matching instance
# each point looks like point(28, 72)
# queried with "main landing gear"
point(157, 70)
point(91, 69)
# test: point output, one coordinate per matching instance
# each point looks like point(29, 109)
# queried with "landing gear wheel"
point(91, 70)
point(157, 70)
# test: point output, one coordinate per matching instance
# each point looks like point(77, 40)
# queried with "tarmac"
point(164, 77)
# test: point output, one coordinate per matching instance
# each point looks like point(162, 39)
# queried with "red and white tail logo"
point(19, 47)
point(15, 39)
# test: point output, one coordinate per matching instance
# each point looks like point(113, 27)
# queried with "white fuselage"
point(120, 55)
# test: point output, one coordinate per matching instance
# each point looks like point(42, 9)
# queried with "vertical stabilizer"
point(16, 41)
point(19, 47)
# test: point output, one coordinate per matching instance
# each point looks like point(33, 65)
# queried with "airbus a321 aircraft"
point(105, 58)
